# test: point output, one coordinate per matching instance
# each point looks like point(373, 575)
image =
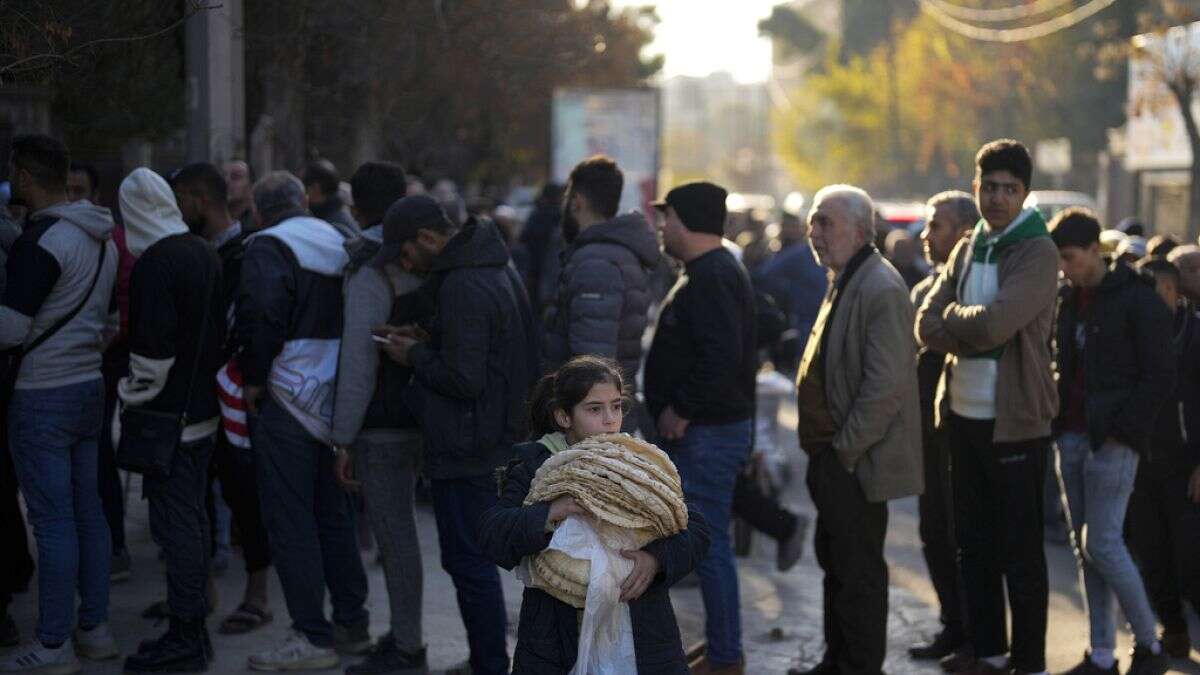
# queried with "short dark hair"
point(43, 157)
point(1159, 266)
point(377, 185)
point(1005, 155)
point(324, 174)
point(1161, 244)
point(93, 176)
point(205, 177)
point(599, 180)
point(1075, 226)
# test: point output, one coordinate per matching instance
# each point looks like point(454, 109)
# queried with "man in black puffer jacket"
point(471, 375)
point(604, 287)
point(1116, 369)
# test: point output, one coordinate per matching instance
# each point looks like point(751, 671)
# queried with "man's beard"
point(570, 227)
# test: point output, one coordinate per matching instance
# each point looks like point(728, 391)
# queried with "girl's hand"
point(645, 568)
point(561, 508)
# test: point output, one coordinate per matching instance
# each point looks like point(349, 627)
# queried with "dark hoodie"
point(1128, 360)
point(471, 379)
point(1176, 441)
point(604, 294)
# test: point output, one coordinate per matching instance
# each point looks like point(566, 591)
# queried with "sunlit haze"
point(699, 37)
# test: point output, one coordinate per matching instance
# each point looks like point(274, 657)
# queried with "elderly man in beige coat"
point(859, 422)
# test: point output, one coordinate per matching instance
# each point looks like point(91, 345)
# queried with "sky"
point(700, 37)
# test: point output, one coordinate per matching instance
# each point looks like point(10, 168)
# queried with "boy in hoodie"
point(603, 298)
point(1164, 510)
point(471, 375)
point(991, 312)
point(61, 270)
point(176, 335)
point(1116, 369)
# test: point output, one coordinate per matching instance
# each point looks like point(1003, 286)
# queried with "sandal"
point(244, 619)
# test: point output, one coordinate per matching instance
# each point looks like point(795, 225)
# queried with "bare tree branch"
point(36, 61)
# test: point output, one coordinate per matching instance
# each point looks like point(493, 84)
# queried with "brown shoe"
point(706, 668)
point(960, 660)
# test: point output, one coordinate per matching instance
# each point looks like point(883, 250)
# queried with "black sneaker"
point(1146, 662)
point(180, 650)
point(386, 658)
point(351, 640)
point(1089, 667)
point(943, 645)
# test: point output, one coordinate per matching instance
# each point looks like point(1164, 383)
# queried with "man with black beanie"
point(699, 382)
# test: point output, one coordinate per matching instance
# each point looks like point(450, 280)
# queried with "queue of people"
point(302, 346)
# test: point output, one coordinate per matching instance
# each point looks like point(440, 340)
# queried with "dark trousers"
point(938, 542)
point(1164, 535)
point(309, 524)
point(16, 565)
point(457, 506)
point(998, 493)
point(179, 524)
point(849, 548)
point(753, 505)
point(235, 468)
point(112, 493)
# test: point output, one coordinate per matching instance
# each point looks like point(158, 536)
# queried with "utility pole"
point(216, 91)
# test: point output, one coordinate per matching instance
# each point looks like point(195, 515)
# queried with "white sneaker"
point(96, 644)
point(296, 653)
point(35, 659)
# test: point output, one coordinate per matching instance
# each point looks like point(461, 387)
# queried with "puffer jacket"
point(603, 294)
point(548, 632)
point(1128, 359)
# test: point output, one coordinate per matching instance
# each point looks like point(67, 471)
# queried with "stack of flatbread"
point(629, 487)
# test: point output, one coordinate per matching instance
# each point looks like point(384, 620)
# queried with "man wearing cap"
point(699, 383)
point(473, 363)
point(860, 424)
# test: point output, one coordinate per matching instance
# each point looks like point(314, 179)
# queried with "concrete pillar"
point(216, 92)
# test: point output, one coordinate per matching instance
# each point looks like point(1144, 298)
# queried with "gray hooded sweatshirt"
point(49, 271)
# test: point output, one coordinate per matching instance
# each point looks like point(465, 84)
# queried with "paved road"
point(781, 612)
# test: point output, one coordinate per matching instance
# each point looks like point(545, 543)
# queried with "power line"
point(999, 14)
point(1021, 34)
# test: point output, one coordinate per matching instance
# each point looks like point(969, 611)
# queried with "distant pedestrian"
point(239, 179)
point(322, 183)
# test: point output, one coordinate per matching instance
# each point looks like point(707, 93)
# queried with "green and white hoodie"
point(973, 378)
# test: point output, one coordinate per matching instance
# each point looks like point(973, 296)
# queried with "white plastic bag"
point(606, 634)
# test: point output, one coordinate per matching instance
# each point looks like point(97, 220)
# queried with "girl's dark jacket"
point(548, 633)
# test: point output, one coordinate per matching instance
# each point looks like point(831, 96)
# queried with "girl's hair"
point(566, 388)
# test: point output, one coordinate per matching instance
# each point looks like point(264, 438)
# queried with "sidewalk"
point(782, 615)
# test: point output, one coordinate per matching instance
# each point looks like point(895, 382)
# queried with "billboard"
point(621, 123)
point(1156, 138)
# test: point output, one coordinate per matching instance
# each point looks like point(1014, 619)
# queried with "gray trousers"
point(386, 464)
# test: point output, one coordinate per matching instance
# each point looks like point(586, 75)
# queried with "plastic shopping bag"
point(606, 634)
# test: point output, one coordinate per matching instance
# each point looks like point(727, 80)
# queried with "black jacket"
point(1176, 439)
point(231, 253)
point(471, 380)
point(1129, 364)
point(548, 632)
point(703, 360)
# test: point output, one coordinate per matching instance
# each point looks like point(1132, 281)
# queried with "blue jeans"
point(54, 436)
point(709, 459)
point(1097, 485)
point(457, 505)
point(309, 524)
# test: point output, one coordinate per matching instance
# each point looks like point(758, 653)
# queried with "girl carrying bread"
point(584, 398)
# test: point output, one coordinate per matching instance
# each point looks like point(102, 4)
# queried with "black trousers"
point(998, 495)
point(849, 548)
point(234, 467)
point(1163, 528)
point(112, 493)
point(16, 565)
point(179, 525)
point(938, 541)
point(763, 512)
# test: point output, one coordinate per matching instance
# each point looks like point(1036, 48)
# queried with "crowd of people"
point(322, 353)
